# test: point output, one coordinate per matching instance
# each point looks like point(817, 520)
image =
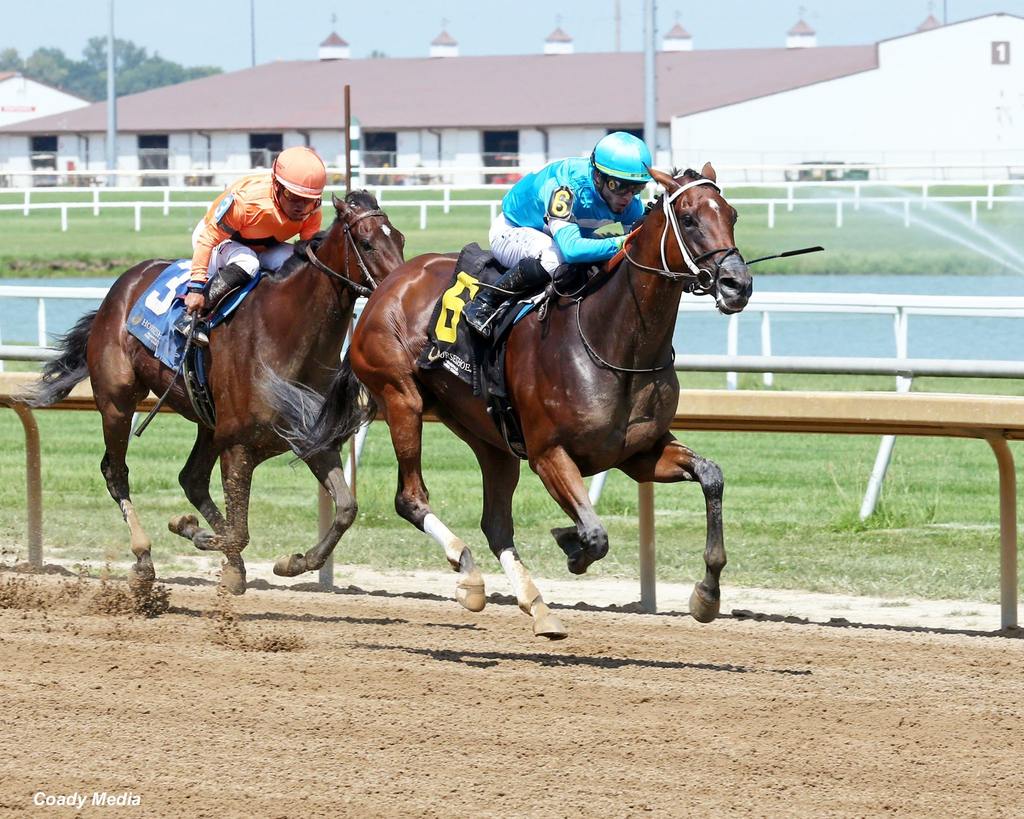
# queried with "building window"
point(501, 149)
point(154, 155)
point(264, 148)
point(43, 156)
point(379, 150)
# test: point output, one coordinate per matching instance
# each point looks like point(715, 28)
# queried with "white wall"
point(22, 99)
point(936, 98)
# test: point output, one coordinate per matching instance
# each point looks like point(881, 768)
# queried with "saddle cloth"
point(151, 319)
point(453, 346)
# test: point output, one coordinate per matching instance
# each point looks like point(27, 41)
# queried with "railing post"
point(766, 345)
point(771, 215)
point(648, 582)
point(839, 213)
point(974, 211)
point(732, 347)
point(1007, 531)
point(28, 200)
point(856, 195)
point(33, 485)
point(41, 322)
point(167, 201)
point(423, 216)
point(138, 217)
point(991, 194)
point(447, 199)
point(789, 198)
point(95, 201)
point(906, 213)
point(64, 218)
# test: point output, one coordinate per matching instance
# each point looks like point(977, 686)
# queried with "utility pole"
point(618, 25)
point(111, 105)
point(252, 31)
point(650, 81)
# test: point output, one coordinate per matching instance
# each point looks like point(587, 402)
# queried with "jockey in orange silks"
point(247, 228)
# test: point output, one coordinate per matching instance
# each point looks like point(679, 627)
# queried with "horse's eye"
point(366, 245)
point(688, 220)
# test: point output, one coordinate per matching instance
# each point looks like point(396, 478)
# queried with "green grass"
point(871, 241)
point(791, 506)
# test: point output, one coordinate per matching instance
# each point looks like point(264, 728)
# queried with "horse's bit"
point(700, 280)
point(359, 289)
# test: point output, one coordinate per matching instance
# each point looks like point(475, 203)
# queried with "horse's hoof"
point(184, 525)
point(140, 578)
point(469, 591)
point(703, 607)
point(545, 624)
point(232, 578)
point(206, 541)
point(579, 562)
point(290, 565)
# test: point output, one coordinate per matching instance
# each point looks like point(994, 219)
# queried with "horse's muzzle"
point(734, 286)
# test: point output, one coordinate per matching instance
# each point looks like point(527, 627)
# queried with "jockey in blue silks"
point(575, 211)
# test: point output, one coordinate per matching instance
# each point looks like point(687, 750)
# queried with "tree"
point(49, 65)
point(10, 60)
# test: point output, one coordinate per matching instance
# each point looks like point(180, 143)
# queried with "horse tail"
point(312, 423)
point(62, 373)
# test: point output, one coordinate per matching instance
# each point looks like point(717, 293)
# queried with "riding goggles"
point(622, 186)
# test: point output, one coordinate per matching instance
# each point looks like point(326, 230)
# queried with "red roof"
point(303, 93)
point(801, 28)
point(333, 40)
point(6, 75)
point(929, 23)
point(558, 36)
point(444, 38)
point(677, 32)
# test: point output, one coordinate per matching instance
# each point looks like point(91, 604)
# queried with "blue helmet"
point(622, 156)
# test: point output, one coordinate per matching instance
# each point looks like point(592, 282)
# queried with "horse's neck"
point(633, 316)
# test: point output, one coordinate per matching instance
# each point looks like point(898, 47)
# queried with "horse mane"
point(358, 199)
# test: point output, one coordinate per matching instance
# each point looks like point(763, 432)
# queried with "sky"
point(200, 32)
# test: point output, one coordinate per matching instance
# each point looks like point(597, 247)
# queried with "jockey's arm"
point(219, 224)
point(575, 249)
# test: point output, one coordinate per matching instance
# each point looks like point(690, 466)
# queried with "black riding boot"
point(220, 284)
point(528, 275)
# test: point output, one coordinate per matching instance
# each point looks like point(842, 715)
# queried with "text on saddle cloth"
point(152, 317)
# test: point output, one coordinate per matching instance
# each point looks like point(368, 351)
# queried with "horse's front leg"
point(236, 466)
point(195, 481)
point(328, 470)
point(588, 541)
point(669, 461)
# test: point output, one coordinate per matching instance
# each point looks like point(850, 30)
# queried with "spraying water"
point(954, 215)
point(957, 236)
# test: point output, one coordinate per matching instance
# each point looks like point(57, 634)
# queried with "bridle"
point(350, 241)
point(699, 280)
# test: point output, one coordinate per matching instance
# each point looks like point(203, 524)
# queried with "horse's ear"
point(708, 172)
point(339, 204)
point(663, 179)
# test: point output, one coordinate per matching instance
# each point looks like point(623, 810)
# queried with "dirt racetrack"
point(290, 703)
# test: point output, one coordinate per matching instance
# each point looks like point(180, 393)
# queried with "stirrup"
point(481, 328)
point(201, 333)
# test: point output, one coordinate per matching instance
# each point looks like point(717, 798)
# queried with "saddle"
point(152, 319)
point(478, 362)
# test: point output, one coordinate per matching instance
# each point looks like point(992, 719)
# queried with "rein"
point(358, 289)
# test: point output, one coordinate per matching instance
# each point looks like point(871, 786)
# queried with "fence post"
point(856, 195)
point(974, 211)
point(789, 197)
point(41, 322)
point(95, 201)
point(167, 201)
point(732, 346)
point(906, 213)
point(645, 511)
point(447, 199)
point(64, 218)
point(766, 344)
point(771, 215)
point(991, 194)
point(423, 216)
point(839, 213)
point(28, 199)
point(138, 217)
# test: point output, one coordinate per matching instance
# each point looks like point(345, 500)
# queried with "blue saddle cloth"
point(152, 318)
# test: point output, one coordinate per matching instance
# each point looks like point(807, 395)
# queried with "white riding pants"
point(511, 244)
point(232, 252)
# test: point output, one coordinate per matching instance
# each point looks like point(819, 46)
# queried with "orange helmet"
point(301, 171)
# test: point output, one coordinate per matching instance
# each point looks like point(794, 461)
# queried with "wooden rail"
point(996, 419)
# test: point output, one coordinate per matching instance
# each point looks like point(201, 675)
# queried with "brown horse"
point(292, 326)
point(592, 383)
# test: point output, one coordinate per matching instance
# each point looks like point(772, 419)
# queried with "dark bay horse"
point(292, 326)
point(593, 385)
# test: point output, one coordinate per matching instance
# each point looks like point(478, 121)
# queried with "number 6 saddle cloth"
point(453, 346)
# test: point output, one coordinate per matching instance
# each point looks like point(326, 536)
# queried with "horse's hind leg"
point(404, 409)
point(588, 541)
point(195, 481)
point(328, 470)
point(500, 471)
point(236, 466)
point(669, 461)
point(117, 424)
